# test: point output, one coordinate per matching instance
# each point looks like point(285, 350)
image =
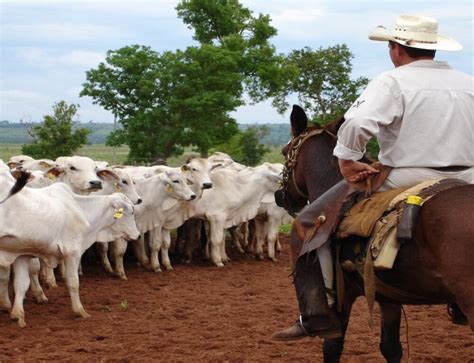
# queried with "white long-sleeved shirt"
point(422, 115)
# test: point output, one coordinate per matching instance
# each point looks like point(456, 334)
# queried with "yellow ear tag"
point(117, 188)
point(169, 188)
point(51, 177)
point(118, 213)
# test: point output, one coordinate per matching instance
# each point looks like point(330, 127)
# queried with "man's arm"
point(355, 171)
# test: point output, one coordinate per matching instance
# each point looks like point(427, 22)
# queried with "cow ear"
point(17, 173)
point(218, 165)
point(299, 120)
point(108, 175)
point(13, 164)
point(118, 209)
point(184, 168)
point(54, 172)
point(45, 164)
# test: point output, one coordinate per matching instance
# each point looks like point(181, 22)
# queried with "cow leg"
point(155, 246)
point(244, 231)
point(224, 257)
point(71, 264)
point(216, 236)
point(165, 247)
point(259, 239)
point(272, 236)
point(119, 246)
point(235, 235)
point(277, 243)
point(140, 253)
point(103, 249)
point(36, 289)
point(21, 283)
point(251, 235)
point(62, 270)
point(390, 346)
point(5, 303)
point(47, 275)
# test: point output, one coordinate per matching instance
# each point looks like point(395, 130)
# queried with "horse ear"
point(335, 125)
point(299, 120)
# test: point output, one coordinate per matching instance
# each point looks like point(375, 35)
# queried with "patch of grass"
point(285, 228)
point(124, 304)
point(106, 153)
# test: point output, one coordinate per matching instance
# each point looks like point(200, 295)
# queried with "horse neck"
point(321, 170)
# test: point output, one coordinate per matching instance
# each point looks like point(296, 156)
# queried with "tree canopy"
point(322, 82)
point(168, 101)
point(55, 136)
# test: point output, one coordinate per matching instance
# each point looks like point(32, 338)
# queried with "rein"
point(292, 158)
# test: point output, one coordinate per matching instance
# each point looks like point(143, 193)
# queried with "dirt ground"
point(201, 313)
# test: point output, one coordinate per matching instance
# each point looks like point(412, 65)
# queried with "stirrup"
point(300, 320)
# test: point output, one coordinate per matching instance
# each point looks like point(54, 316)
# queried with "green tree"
point(55, 136)
point(175, 99)
point(245, 147)
point(229, 25)
point(167, 101)
point(322, 82)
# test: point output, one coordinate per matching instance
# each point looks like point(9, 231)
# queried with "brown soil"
point(200, 313)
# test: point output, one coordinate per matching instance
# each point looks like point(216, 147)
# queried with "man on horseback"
point(421, 114)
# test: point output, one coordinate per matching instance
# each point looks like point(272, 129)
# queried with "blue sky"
point(47, 46)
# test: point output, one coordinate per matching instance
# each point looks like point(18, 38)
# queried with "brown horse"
point(436, 268)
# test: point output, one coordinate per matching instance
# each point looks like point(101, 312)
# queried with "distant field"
point(102, 152)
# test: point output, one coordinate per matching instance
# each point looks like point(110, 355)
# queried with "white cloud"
point(62, 31)
point(76, 58)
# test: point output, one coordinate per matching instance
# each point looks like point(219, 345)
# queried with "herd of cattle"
point(73, 202)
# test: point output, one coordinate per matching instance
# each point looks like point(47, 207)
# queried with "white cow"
point(197, 174)
point(234, 198)
point(46, 223)
point(84, 177)
point(61, 226)
point(160, 194)
point(268, 221)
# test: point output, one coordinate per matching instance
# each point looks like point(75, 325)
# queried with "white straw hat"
point(416, 32)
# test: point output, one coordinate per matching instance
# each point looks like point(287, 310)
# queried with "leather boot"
point(317, 318)
point(326, 327)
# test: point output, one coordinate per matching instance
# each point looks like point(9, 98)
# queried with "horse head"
point(305, 178)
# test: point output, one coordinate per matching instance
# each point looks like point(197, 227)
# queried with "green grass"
point(106, 153)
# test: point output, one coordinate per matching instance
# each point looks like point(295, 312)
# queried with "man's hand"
point(355, 171)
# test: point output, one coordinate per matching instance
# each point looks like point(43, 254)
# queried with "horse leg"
point(390, 346)
point(332, 348)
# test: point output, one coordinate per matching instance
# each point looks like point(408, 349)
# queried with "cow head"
point(120, 220)
point(176, 185)
point(197, 173)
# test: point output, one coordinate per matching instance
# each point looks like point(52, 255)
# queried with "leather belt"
point(452, 168)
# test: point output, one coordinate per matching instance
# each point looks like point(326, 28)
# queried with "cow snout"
point(95, 184)
point(139, 200)
point(192, 197)
point(206, 185)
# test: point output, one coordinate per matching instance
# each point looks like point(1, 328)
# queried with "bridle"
point(292, 158)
